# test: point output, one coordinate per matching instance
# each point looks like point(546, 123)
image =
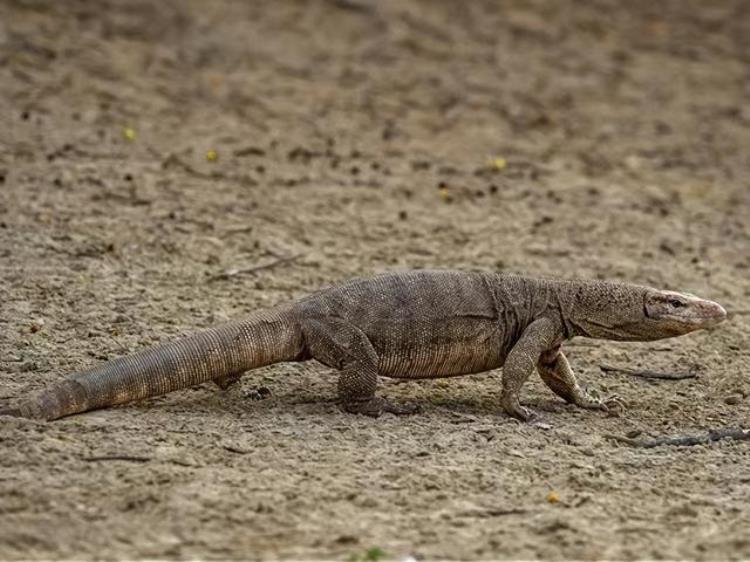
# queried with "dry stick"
point(649, 374)
point(233, 449)
point(685, 440)
point(494, 512)
point(355, 6)
point(234, 272)
point(116, 458)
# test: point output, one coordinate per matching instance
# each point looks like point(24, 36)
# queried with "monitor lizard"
point(409, 325)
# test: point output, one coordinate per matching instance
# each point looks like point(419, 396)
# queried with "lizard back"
point(426, 324)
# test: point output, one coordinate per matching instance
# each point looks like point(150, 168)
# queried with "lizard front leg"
point(538, 337)
point(556, 373)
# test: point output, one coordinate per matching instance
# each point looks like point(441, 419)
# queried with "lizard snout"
point(714, 313)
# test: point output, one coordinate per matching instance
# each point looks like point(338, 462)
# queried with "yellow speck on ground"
point(498, 163)
point(553, 497)
point(128, 133)
point(212, 155)
point(444, 193)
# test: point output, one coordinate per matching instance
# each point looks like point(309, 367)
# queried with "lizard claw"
point(590, 403)
point(513, 408)
point(615, 406)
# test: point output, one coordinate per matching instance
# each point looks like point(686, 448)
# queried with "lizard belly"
point(470, 346)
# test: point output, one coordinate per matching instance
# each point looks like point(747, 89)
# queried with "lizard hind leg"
point(357, 398)
point(339, 344)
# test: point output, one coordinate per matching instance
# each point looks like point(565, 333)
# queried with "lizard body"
point(418, 324)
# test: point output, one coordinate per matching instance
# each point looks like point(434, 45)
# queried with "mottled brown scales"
point(420, 324)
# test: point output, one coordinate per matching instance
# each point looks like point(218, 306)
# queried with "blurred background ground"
point(148, 148)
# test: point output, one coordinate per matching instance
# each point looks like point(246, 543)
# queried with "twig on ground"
point(236, 450)
point(492, 512)
point(354, 5)
point(649, 374)
point(238, 229)
point(123, 349)
point(127, 458)
point(685, 440)
point(229, 273)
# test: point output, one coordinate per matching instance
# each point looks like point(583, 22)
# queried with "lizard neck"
point(601, 309)
point(526, 299)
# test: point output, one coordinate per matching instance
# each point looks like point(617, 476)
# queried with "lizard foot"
point(585, 400)
point(226, 381)
point(377, 406)
point(615, 406)
point(513, 408)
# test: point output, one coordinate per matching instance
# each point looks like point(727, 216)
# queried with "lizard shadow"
point(314, 391)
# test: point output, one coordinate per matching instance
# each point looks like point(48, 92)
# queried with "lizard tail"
point(266, 337)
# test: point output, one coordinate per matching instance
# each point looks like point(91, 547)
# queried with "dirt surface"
point(596, 139)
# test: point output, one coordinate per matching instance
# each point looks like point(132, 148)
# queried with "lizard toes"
point(615, 406)
point(514, 409)
point(592, 403)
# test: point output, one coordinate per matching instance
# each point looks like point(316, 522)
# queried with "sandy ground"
point(357, 138)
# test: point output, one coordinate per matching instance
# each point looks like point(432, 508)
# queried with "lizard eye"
point(674, 303)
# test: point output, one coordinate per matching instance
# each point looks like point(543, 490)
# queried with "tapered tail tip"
point(13, 412)
point(22, 410)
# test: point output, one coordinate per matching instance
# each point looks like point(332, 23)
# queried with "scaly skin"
point(420, 324)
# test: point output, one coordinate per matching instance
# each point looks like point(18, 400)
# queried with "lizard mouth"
point(704, 314)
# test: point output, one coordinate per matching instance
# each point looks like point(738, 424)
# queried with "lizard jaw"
point(704, 314)
point(683, 311)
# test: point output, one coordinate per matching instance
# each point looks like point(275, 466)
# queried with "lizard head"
point(675, 313)
point(625, 312)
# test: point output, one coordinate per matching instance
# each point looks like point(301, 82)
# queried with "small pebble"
point(733, 399)
point(499, 163)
